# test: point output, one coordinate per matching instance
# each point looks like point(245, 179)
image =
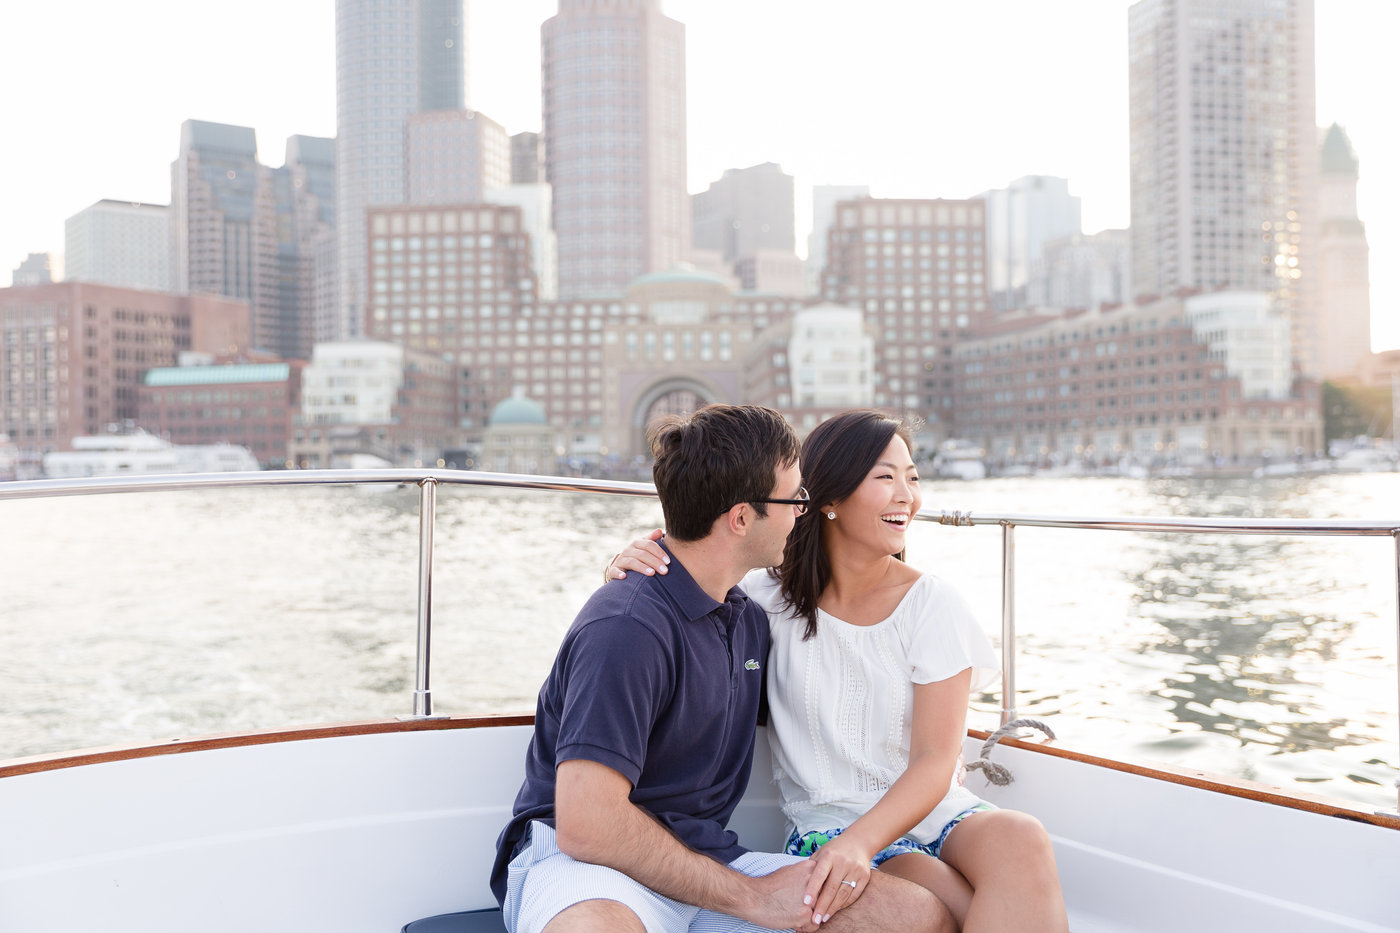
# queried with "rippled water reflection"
point(133, 617)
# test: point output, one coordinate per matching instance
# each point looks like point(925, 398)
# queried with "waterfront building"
point(678, 339)
point(74, 353)
point(124, 243)
point(917, 269)
point(368, 403)
point(1223, 152)
point(1021, 219)
point(457, 281)
point(615, 141)
point(813, 364)
point(1343, 262)
point(393, 59)
point(824, 201)
point(36, 269)
point(455, 157)
point(519, 438)
point(1195, 381)
point(246, 404)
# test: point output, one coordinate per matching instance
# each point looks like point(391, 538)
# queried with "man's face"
point(771, 531)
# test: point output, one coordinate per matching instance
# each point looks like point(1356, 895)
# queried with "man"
point(644, 729)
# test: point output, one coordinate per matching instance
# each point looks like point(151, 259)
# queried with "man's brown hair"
point(709, 461)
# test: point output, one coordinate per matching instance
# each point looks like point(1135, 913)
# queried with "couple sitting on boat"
point(644, 731)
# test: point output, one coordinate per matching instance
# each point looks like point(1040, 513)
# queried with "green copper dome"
point(517, 410)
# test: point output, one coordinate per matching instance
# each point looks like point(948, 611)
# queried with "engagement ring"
point(851, 883)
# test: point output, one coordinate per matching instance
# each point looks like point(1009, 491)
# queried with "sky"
point(915, 98)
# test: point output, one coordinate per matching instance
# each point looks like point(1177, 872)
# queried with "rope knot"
point(999, 774)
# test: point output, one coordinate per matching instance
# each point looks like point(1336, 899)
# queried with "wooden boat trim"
point(60, 760)
point(1188, 777)
point(1232, 787)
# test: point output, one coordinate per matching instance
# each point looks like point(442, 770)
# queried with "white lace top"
point(840, 703)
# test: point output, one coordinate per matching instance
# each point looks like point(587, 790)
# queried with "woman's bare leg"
point(1007, 858)
point(943, 880)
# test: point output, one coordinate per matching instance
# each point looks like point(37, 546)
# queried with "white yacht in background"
point(1363, 455)
point(138, 453)
point(959, 459)
point(9, 457)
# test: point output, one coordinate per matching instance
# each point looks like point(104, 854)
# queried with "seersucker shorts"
point(543, 881)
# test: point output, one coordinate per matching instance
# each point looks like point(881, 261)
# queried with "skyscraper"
point(747, 210)
point(119, 243)
point(306, 244)
point(454, 156)
point(223, 213)
point(393, 58)
point(917, 268)
point(824, 201)
point(1223, 150)
point(614, 141)
point(526, 159)
point(1021, 219)
point(247, 231)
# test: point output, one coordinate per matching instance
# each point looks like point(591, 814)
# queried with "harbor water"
point(135, 617)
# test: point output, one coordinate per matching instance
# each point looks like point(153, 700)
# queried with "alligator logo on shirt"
point(750, 665)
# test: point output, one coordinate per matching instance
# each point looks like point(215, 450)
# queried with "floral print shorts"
point(808, 843)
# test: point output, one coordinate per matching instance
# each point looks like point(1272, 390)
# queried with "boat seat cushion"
point(467, 921)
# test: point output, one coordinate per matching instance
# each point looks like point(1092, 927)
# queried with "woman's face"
point(878, 513)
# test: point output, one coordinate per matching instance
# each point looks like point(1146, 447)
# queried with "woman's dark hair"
point(712, 460)
point(836, 457)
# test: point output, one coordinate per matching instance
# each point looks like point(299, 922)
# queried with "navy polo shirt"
point(661, 683)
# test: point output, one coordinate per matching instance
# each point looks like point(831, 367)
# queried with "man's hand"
point(595, 822)
point(778, 899)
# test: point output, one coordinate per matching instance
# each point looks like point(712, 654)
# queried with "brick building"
point(250, 405)
point(917, 269)
point(73, 355)
point(1167, 382)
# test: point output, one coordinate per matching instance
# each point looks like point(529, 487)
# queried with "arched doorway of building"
point(676, 402)
point(673, 395)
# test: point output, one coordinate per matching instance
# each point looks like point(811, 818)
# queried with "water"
point(128, 618)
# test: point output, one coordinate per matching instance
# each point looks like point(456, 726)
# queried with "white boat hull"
point(367, 827)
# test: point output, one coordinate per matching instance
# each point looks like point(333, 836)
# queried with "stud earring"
point(831, 515)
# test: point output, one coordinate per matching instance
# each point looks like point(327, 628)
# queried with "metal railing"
point(428, 482)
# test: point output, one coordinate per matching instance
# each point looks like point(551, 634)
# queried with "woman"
point(869, 673)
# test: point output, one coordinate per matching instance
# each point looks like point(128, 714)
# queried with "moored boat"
point(138, 453)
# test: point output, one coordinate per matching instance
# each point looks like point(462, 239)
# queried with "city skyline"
point(844, 101)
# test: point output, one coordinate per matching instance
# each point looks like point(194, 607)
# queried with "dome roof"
point(679, 273)
point(517, 410)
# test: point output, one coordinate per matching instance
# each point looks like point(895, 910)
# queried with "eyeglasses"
point(799, 504)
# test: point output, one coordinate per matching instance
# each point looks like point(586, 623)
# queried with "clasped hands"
point(832, 879)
